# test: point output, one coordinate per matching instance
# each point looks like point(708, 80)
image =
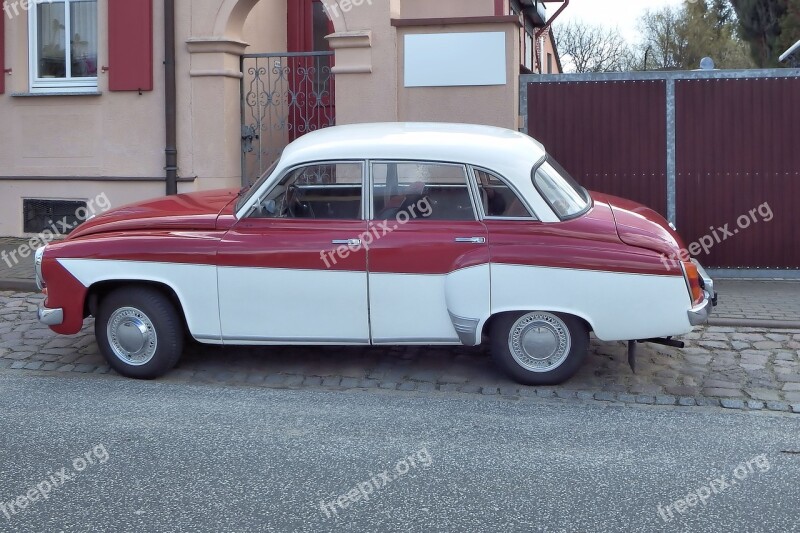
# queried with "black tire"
point(548, 348)
point(140, 315)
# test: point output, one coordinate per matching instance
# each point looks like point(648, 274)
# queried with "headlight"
point(38, 265)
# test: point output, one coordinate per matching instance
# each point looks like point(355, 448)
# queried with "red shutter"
point(2, 53)
point(130, 45)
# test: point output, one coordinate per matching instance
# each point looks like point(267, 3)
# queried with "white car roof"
point(486, 146)
point(508, 153)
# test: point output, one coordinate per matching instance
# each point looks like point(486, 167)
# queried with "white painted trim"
point(56, 85)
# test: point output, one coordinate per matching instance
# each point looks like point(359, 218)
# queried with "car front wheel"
point(139, 332)
point(539, 348)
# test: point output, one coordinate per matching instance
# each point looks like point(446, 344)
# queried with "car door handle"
point(472, 240)
point(348, 242)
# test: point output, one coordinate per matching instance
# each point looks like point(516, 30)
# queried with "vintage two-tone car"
point(381, 234)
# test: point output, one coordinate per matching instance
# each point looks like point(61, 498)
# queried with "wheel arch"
point(99, 290)
point(486, 325)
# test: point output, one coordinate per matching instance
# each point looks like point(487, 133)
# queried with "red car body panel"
point(640, 226)
point(615, 235)
point(196, 211)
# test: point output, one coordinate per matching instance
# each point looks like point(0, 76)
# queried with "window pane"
point(421, 190)
point(565, 196)
point(326, 191)
point(84, 38)
point(499, 200)
point(51, 26)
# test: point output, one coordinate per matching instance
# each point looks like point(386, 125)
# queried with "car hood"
point(194, 211)
point(638, 225)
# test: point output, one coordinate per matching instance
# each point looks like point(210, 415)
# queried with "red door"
point(311, 96)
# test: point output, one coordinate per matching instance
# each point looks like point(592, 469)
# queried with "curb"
point(18, 284)
point(754, 323)
point(339, 384)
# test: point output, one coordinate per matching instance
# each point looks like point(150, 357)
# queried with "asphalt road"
point(158, 456)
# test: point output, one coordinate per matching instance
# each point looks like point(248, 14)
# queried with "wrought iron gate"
point(284, 96)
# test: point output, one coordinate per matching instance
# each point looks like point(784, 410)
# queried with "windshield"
point(248, 193)
point(560, 190)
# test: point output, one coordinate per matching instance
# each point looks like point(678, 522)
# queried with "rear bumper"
point(699, 315)
point(50, 317)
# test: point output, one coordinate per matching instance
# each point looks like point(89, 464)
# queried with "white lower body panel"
point(194, 285)
point(287, 306)
point(618, 306)
point(419, 308)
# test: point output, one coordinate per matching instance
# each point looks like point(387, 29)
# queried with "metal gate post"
point(671, 156)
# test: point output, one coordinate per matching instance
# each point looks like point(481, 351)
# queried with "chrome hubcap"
point(132, 336)
point(539, 342)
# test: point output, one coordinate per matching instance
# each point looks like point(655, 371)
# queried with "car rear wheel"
point(539, 348)
point(139, 332)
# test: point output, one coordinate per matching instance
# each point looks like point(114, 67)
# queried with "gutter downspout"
point(540, 32)
point(170, 99)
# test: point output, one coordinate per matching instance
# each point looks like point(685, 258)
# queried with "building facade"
point(84, 89)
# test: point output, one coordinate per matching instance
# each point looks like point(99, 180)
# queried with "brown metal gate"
point(714, 151)
point(736, 150)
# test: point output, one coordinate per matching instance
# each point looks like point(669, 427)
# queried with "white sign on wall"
point(455, 59)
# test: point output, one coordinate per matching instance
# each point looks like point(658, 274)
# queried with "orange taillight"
point(693, 280)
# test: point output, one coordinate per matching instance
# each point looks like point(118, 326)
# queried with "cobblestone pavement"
point(736, 368)
point(759, 300)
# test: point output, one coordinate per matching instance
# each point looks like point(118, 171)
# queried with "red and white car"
point(381, 234)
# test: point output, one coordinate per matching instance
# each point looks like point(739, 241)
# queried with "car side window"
point(498, 198)
point(318, 191)
point(433, 191)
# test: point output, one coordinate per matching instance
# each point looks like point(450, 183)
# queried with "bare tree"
point(588, 47)
point(664, 38)
point(679, 37)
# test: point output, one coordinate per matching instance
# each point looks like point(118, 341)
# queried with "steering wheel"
point(295, 207)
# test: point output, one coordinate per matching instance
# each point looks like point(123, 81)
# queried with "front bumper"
point(50, 317)
point(699, 315)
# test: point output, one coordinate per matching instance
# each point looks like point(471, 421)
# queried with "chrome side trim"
point(50, 317)
point(415, 341)
point(37, 262)
point(244, 339)
point(467, 329)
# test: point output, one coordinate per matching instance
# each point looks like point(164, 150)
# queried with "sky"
point(621, 13)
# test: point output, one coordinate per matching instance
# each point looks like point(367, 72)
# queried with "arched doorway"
point(286, 94)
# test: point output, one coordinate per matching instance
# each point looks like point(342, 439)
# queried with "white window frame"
point(54, 85)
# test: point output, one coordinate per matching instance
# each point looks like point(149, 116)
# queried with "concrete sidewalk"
point(757, 303)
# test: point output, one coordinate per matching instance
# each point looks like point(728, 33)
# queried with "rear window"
point(560, 190)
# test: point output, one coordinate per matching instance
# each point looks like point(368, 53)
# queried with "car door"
point(293, 271)
point(428, 255)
